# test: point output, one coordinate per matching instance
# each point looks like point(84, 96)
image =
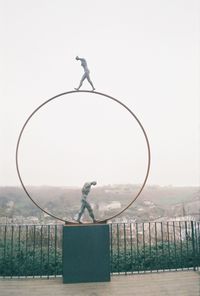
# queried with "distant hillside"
point(169, 195)
point(106, 200)
point(160, 195)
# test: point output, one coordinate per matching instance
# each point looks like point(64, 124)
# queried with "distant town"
point(155, 204)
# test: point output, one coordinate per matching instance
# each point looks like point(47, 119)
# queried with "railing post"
point(193, 246)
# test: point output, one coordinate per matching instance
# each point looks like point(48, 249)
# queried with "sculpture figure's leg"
point(90, 82)
point(83, 206)
point(81, 82)
point(90, 211)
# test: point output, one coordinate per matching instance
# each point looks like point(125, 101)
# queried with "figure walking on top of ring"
point(86, 74)
point(85, 205)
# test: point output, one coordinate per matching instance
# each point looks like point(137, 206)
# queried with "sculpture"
point(86, 74)
point(85, 204)
point(20, 140)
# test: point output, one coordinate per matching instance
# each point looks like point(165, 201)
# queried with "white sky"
point(145, 53)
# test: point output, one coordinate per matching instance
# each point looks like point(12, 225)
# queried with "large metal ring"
point(96, 93)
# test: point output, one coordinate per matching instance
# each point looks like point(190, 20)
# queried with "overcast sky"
point(144, 53)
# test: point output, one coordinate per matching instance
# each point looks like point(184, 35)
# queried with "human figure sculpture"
point(86, 74)
point(85, 205)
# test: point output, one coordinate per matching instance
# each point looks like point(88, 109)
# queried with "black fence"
point(36, 250)
point(159, 246)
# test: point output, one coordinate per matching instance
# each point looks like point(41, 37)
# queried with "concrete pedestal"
point(86, 253)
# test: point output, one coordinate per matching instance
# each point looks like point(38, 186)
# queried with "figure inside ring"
point(86, 74)
point(85, 204)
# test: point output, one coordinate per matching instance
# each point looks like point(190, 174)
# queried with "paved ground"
point(185, 283)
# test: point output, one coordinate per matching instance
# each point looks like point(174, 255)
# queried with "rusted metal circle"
point(95, 93)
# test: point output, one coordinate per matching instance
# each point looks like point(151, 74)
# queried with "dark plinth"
point(86, 253)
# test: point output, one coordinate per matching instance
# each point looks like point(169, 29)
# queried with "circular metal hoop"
point(96, 93)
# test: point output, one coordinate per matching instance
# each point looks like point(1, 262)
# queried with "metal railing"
point(30, 250)
point(36, 250)
point(155, 246)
